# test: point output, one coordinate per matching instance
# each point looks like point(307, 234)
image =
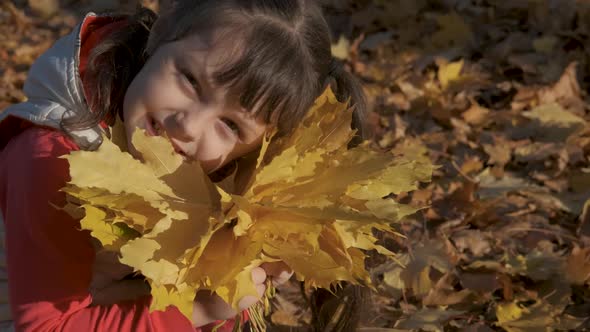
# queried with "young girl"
point(214, 76)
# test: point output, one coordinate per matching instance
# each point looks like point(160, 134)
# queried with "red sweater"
point(49, 259)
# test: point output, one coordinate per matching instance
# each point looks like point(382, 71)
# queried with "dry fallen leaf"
point(551, 123)
point(567, 87)
point(428, 319)
point(449, 72)
point(416, 275)
point(341, 49)
point(454, 31)
point(545, 44)
point(538, 317)
point(578, 266)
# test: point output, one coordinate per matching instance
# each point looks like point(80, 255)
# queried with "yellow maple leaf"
point(315, 203)
point(311, 202)
point(507, 312)
point(108, 233)
point(135, 177)
point(181, 297)
point(454, 31)
point(157, 154)
point(449, 72)
point(143, 210)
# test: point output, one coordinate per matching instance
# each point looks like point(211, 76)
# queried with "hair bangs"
point(266, 74)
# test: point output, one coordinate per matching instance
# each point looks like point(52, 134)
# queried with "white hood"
point(54, 90)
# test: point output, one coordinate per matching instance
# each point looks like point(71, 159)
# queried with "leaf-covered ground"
point(495, 90)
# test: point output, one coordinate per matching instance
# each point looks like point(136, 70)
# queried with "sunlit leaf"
point(311, 202)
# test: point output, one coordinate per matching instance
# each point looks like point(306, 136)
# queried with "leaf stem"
point(261, 309)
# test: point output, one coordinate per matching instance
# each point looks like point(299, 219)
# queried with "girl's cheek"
point(213, 153)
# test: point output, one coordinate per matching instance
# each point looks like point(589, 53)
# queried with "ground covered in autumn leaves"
point(495, 91)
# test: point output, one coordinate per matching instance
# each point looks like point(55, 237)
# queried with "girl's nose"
point(185, 129)
point(186, 126)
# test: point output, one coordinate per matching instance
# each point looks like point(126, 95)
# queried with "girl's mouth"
point(154, 128)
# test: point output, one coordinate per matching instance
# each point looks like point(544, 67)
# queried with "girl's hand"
point(108, 285)
point(210, 307)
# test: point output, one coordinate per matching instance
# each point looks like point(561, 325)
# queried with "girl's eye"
point(231, 125)
point(192, 81)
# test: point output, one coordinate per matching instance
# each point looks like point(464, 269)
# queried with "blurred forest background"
point(496, 93)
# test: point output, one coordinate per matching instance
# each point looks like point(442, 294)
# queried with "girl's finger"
point(261, 289)
point(212, 304)
point(249, 300)
point(258, 275)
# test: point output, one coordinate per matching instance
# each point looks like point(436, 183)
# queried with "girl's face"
point(174, 94)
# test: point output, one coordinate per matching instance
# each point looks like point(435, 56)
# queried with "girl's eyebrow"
point(242, 115)
point(202, 77)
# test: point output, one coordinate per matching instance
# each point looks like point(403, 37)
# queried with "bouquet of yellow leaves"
point(312, 204)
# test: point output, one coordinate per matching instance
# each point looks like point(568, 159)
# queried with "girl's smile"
point(154, 128)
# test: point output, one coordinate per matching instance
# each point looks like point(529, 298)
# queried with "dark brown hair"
point(281, 63)
point(285, 62)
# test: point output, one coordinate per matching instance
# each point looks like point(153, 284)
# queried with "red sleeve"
point(49, 258)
